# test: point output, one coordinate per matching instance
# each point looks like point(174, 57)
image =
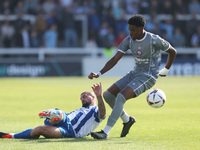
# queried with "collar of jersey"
point(142, 38)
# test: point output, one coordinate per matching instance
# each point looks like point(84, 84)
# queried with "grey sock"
point(110, 99)
point(117, 110)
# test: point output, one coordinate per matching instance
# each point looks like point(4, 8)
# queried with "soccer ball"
point(156, 98)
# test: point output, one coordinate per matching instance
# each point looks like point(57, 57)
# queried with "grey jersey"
point(146, 52)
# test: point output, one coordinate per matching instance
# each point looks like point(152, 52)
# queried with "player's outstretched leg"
point(99, 135)
point(127, 126)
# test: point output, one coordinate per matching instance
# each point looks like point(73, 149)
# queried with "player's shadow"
point(46, 140)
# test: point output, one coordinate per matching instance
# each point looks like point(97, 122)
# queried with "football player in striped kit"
point(76, 124)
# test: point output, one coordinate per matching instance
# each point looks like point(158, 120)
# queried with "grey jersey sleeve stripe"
point(121, 51)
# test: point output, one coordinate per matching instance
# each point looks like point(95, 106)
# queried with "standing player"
point(146, 49)
point(76, 124)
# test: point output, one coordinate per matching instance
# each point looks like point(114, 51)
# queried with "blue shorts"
point(139, 83)
point(64, 126)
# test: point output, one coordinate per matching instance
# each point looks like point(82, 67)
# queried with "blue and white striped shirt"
point(84, 120)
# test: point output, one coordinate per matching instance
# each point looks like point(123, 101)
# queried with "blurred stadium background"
point(74, 37)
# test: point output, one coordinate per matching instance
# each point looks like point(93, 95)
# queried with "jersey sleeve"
point(161, 43)
point(124, 45)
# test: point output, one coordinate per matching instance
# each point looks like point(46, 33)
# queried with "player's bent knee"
point(105, 96)
point(39, 129)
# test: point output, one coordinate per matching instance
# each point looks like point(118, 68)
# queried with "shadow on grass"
point(117, 140)
point(46, 140)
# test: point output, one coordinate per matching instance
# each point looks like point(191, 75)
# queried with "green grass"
point(175, 126)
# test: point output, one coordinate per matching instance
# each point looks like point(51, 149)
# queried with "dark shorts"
point(64, 126)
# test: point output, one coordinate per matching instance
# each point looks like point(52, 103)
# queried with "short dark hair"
point(137, 20)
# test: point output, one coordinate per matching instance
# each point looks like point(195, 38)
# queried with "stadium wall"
point(81, 61)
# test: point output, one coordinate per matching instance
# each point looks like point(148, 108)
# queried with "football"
point(156, 98)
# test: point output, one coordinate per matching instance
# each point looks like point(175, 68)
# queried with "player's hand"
point(97, 88)
point(163, 72)
point(93, 75)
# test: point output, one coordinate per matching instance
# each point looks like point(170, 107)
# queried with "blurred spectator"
point(151, 24)
point(103, 31)
point(51, 37)
point(35, 38)
point(167, 7)
point(110, 19)
point(48, 6)
point(51, 19)
point(157, 30)
point(75, 8)
point(70, 32)
point(179, 23)
point(194, 6)
point(93, 21)
point(116, 11)
point(169, 28)
point(121, 24)
point(154, 6)
point(6, 9)
point(103, 7)
point(66, 3)
point(178, 39)
point(23, 37)
point(120, 37)
point(127, 3)
point(85, 7)
point(92, 3)
point(113, 12)
point(40, 23)
point(191, 27)
point(108, 52)
point(195, 39)
point(32, 6)
point(133, 8)
point(110, 38)
point(19, 22)
point(180, 7)
point(144, 7)
point(7, 34)
point(20, 8)
point(59, 22)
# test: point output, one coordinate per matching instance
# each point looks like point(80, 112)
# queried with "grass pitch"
point(175, 126)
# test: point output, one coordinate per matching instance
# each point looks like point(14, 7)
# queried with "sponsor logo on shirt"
point(142, 60)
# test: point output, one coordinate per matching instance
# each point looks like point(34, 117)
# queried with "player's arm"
point(171, 56)
point(109, 65)
point(98, 92)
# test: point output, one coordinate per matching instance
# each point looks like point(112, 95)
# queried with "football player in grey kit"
point(146, 49)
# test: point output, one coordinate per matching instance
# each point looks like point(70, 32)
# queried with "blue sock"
point(23, 135)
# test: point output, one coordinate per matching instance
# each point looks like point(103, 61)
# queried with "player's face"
point(86, 99)
point(135, 32)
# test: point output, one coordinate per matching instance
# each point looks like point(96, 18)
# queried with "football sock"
point(23, 135)
point(116, 112)
point(110, 99)
point(125, 117)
